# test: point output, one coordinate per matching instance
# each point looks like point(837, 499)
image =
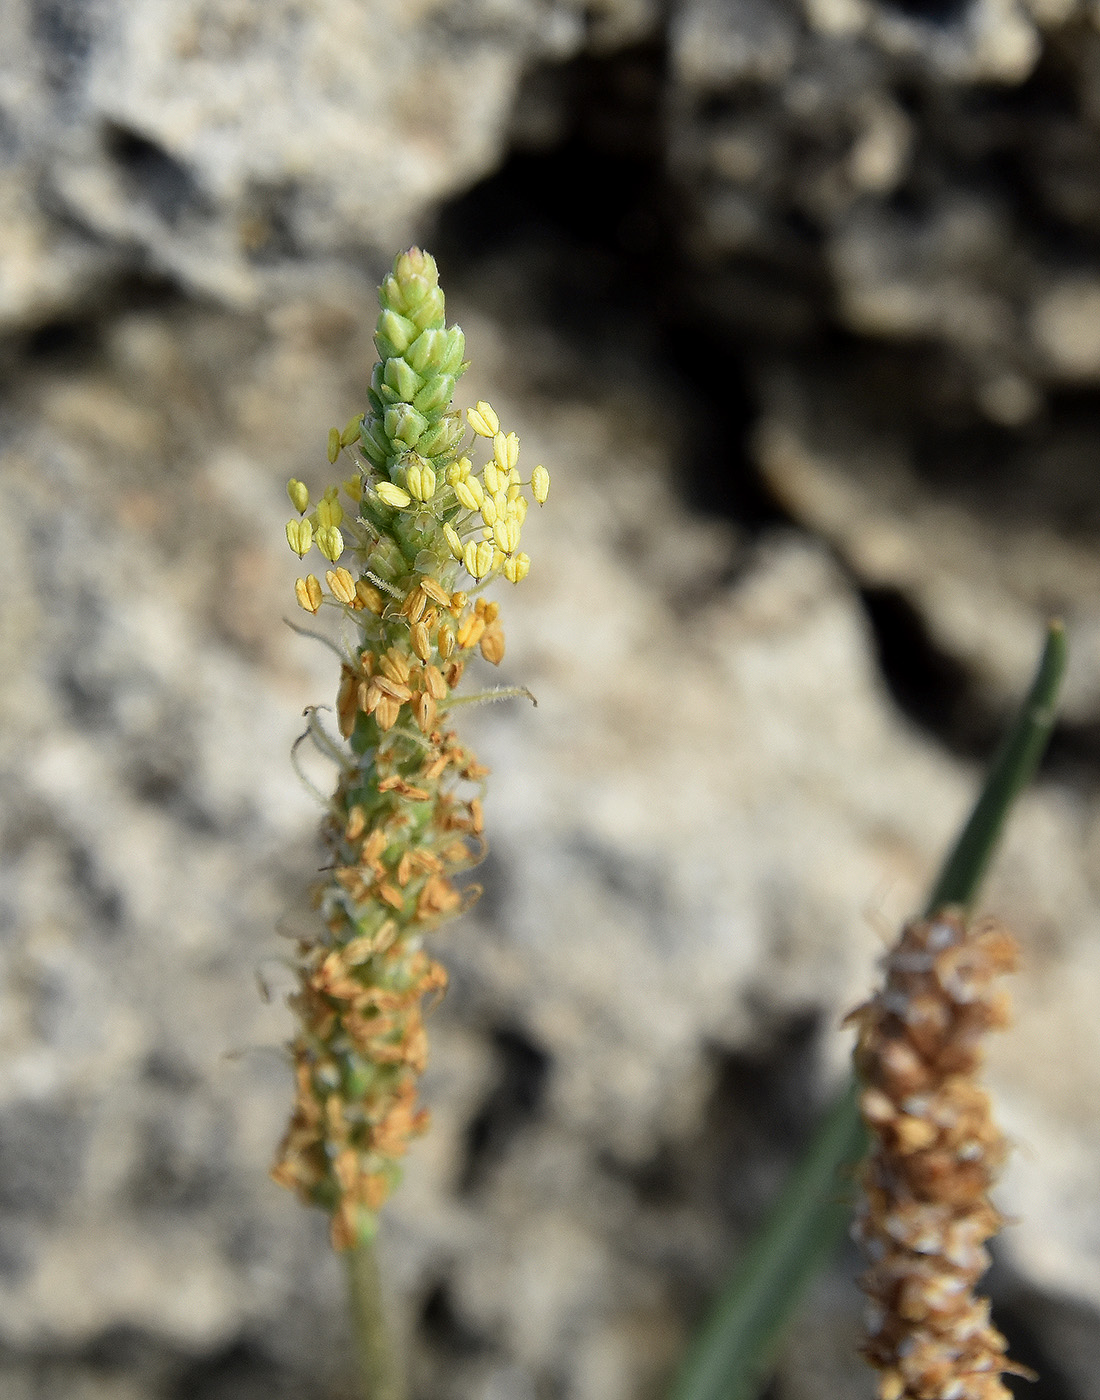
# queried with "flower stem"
point(737, 1344)
point(379, 1368)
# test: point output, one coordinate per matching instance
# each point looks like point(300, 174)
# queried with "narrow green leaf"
point(736, 1346)
point(1012, 768)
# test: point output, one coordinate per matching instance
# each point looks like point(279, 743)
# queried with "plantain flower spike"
point(936, 1151)
point(406, 815)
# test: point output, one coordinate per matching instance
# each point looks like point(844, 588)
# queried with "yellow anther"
point(540, 484)
point(328, 512)
point(454, 542)
point(506, 535)
point(331, 493)
point(470, 493)
point(446, 644)
point(478, 558)
point(489, 510)
point(459, 471)
point(354, 487)
point(308, 592)
point(493, 478)
point(392, 495)
point(298, 492)
point(333, 444)
point(471, 631)
point(421, 641)
point(369, 597)
point(435, 591)
point(492, 646)
point(516, 568)
point(506, 450)
point(341, 585)
point(486, 556)
point(483, 420)
point(299, 535)
point(517, 510)
point(514, 489)
point(421, 482)
point(434, 683)
point(351, 431)
point(394, 666)
point(500, 500)
point(414, 605)
point(330, 542)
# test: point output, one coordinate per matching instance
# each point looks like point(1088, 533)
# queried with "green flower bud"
point(427, 350)
point(414, 270)
point(386, 559)
point(404, 425)
point(373, 441)
point(394, 334)
point(435, 395)
point(451, 362)
point(401, 376)
point(441, 439)
point(390, 294)
point(430, 311)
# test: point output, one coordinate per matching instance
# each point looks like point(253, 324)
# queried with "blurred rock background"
point(801, 305)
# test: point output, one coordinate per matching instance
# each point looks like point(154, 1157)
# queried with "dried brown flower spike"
point(936, 1151)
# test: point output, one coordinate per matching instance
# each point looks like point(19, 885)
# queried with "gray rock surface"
point(216, 143)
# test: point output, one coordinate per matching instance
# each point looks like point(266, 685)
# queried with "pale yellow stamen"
point(341, 585)
point(478, 558)
point(351, 431)
point(330, 542)
point(392, 495)
point(308, 592)
point(421, 482)
point(540, 484)
point(506, 450)
point(328, 512)
point(298, 492)
point(483, 420)
point(459, 471)
point(435, 591)
point(506, 535)
point(369, 597)
point(470, 493)
point(299, 535)
point(421, 641)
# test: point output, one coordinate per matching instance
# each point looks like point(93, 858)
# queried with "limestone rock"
point(687, 836)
